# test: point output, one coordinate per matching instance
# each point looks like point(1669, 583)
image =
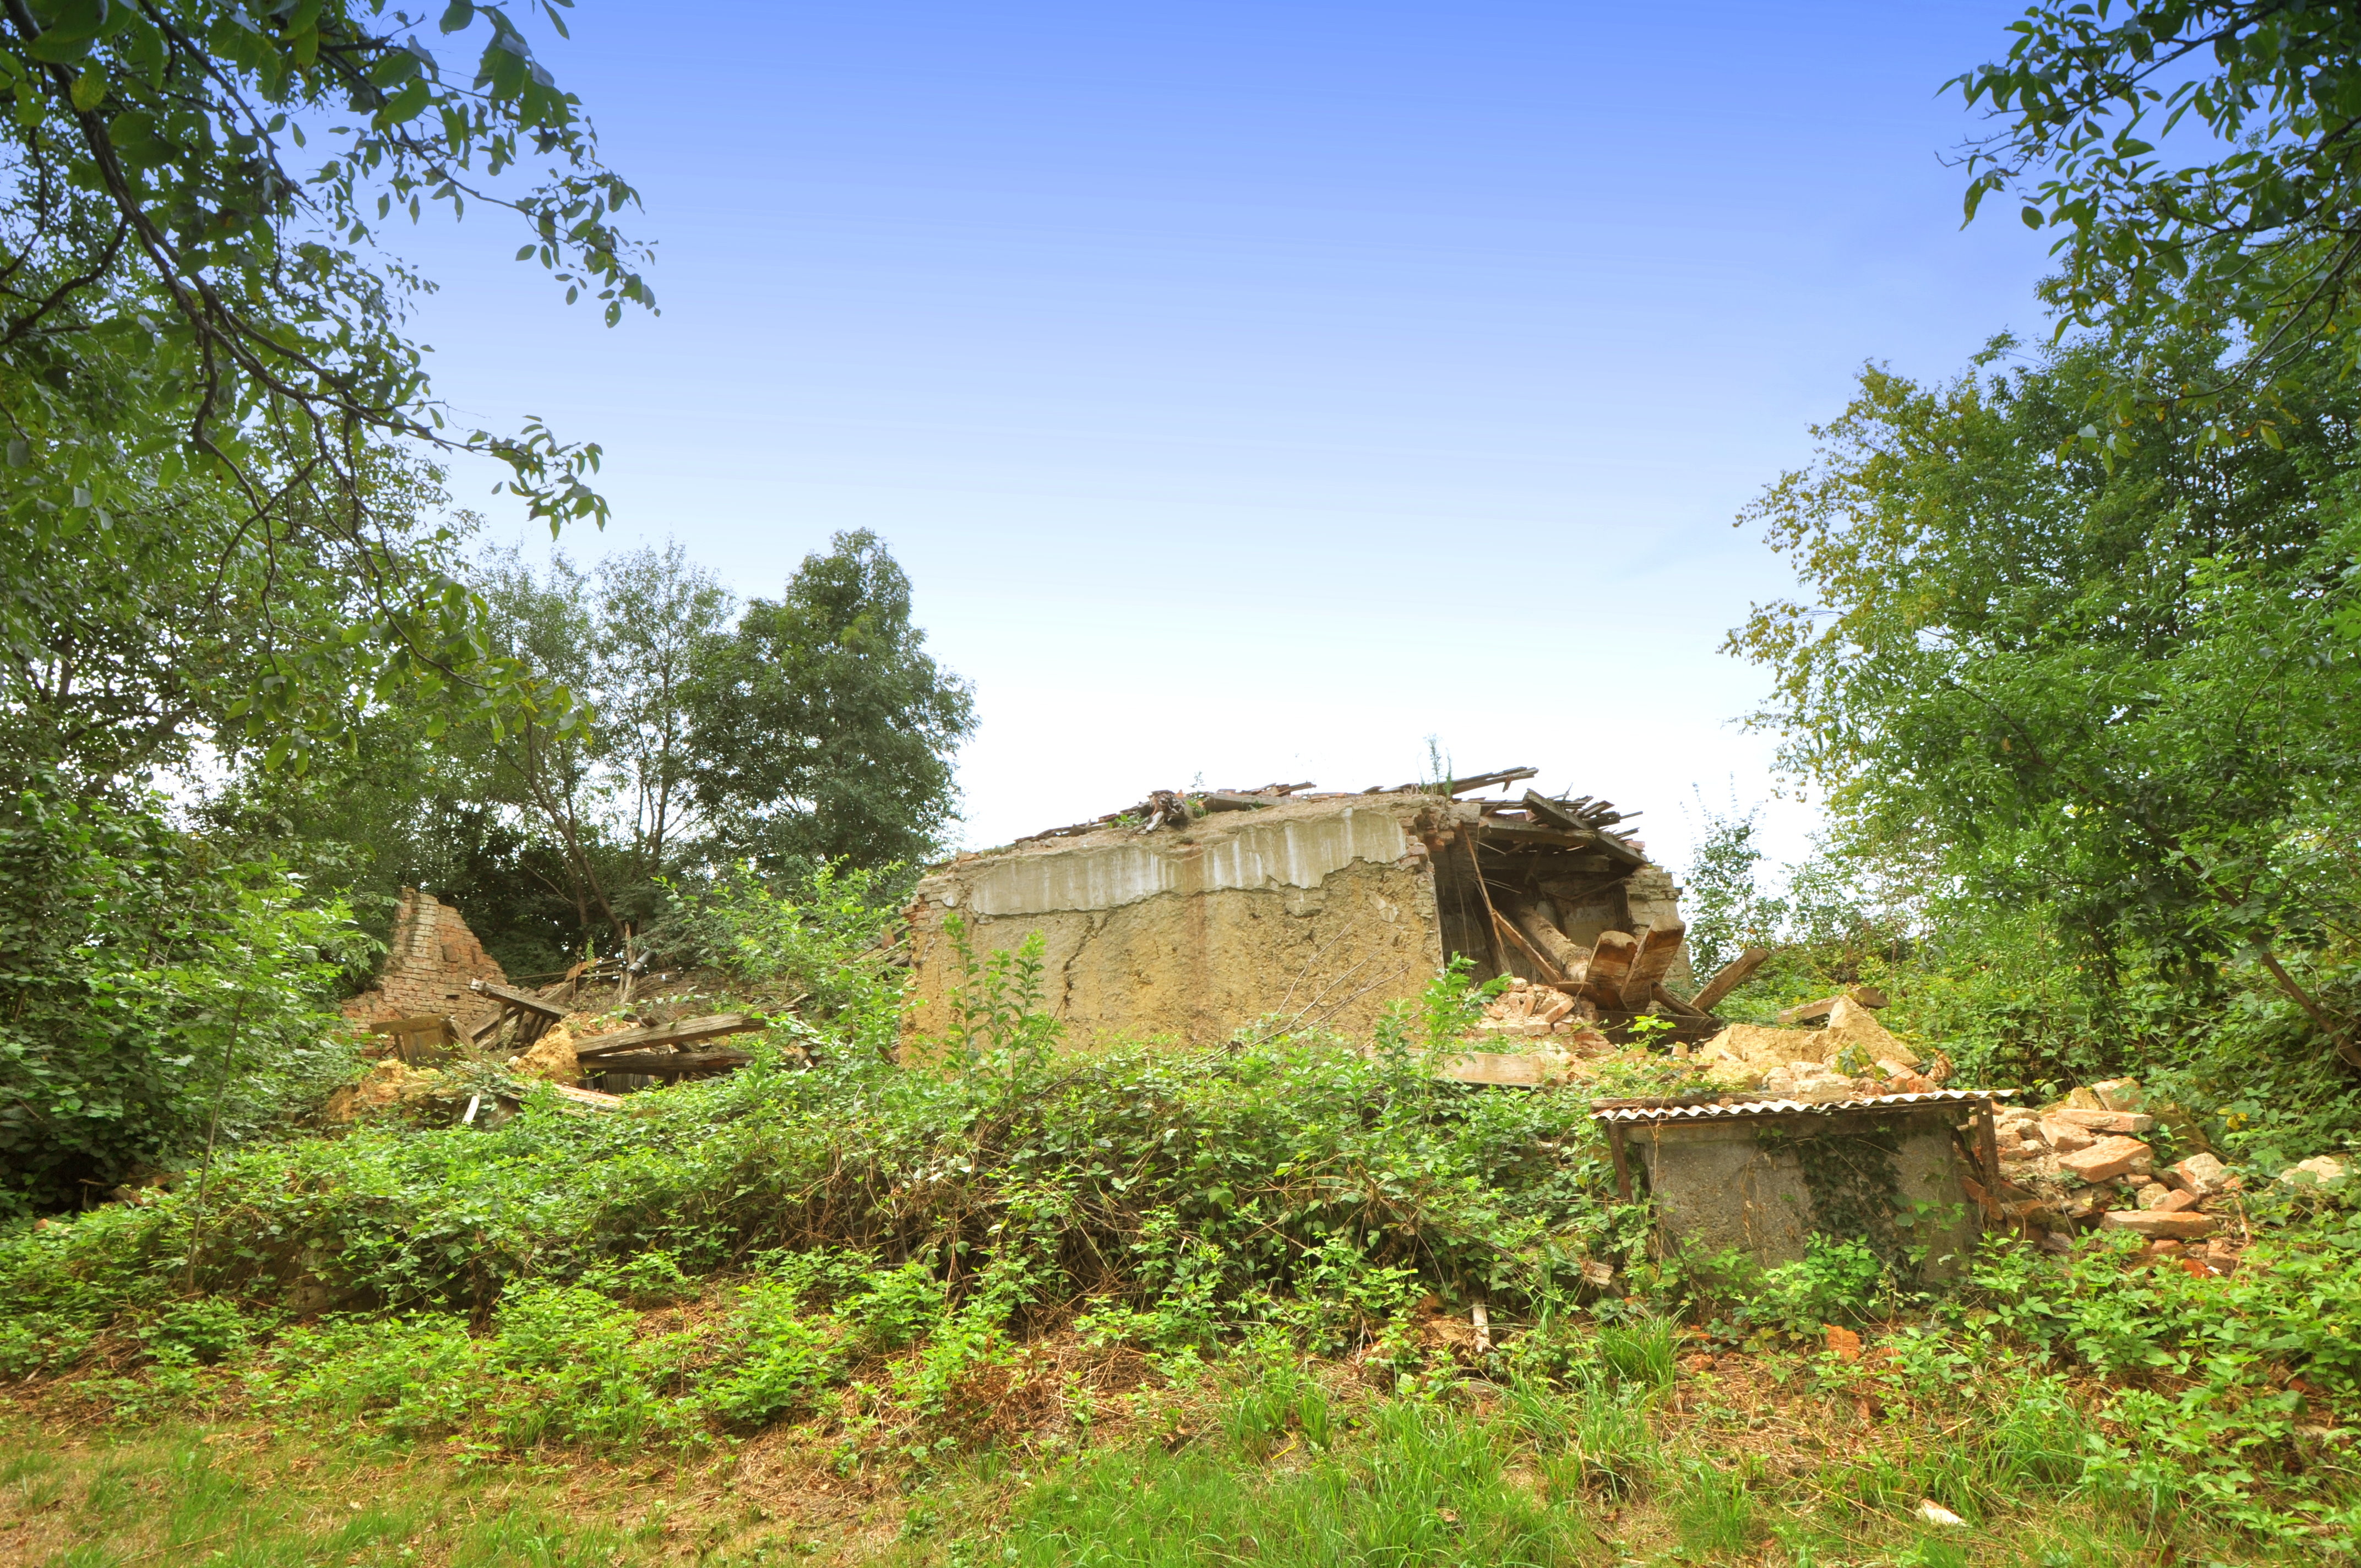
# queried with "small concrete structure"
point(1317, 910)
point(1758, 1178)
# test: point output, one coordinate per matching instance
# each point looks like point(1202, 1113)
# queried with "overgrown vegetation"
point(2072, 657)
point(155, 997)
point(1231, 1291)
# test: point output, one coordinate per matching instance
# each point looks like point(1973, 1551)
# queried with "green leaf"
point(406, 105)
point(56, 48)
point(458, 16)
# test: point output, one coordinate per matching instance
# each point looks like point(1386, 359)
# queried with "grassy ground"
point(194, 1491)
point(1728, 1459)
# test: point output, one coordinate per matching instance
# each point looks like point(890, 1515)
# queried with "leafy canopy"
point(197, 342)
point(2097, 104)
point(151, 990)
point(2123, 692)
point(822, 727)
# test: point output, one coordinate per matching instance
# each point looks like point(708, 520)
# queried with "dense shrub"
point(150, 996)
point(824, 938)
point(1114, 1177)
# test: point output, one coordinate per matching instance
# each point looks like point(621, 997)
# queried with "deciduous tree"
point(2118, 689)
point(203, 357)
point(823, 728)
point(2202, 162)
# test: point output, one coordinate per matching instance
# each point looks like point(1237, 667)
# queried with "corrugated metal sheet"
point(1798, 1107)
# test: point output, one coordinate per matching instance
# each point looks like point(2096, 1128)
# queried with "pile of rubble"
point(2085, 1163)
point(1530, 1012)
point(428, 1065)
point(1850, 1056)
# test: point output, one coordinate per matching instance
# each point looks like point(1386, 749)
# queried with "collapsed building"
point(434, 966)
point(1191, 916)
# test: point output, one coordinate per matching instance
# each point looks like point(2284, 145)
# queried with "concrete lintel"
point(1301, 853)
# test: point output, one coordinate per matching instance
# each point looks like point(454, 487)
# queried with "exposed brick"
point(2154, 1223)
point(2066, 1137)
point(2204, 1175)
point(2108, 1158)
point(430, 958)
point(2121, 1094)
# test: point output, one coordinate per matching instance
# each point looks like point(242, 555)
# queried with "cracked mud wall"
point(1309, 910)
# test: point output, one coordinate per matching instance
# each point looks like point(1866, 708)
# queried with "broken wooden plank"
point(1619, 850)
point(1485, 781)
point(1500, 835)
point(1677, 1007)
point(1231, 800)
point(587, 1099)
point(1659, 946)
point(1611, 957)
point(1551, 814)
point(686, 1032)
point(440, 1025)
point(524, 1001)
point(1806, 1012)
point(668, 1064)
point(1567, 958)
point(1543, 967)
point(1728, 978)
point(424, 1038)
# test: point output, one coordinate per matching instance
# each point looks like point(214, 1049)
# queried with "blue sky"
point(1251, 391)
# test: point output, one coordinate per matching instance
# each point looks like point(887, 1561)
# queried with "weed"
point(1716, 1510)
point(1421, 1487)
point(1637, 1355)
point(1834, 1282)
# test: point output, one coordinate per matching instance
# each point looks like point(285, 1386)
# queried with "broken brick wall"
point(431, 959)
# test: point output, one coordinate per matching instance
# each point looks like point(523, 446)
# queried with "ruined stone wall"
point(1318, 911)
point(429, 958)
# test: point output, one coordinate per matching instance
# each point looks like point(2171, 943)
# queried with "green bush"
point(2202, 1414)
point(784, 1361)
point(151, 996)
point(1834, 1282)
point(1148, 1181)
point(825, 938)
